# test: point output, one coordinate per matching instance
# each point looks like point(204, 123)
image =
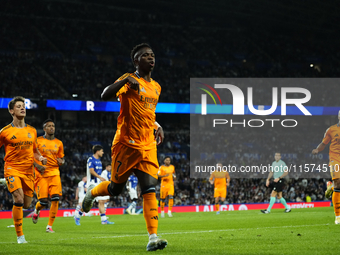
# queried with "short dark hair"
point(14, 100)
point(48, 120)
point(136, 49)
point(166, 158)
point(96, 148)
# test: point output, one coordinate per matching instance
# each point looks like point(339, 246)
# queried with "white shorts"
point(81, 198)
point(133, 194)
point(102, 198)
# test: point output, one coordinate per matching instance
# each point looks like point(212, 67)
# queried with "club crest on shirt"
point(143, 90)
point(55, 146)
point(157, 92)
point(29, 135)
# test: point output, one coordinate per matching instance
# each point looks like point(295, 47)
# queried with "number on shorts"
point(120, 163)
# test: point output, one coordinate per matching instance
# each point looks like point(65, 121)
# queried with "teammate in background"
point(332, 135)
point(48, 184)
point(80, 194)
point(221, 181)
point(134, 145)
point(168, 175)
point(94, 171)
point(279, 170)
point(132, 189)
point(106, 174)
point(20, 141)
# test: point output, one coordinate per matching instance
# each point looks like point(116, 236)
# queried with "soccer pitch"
point(303, 231)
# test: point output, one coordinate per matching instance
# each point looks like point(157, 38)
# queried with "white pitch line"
point(179, 233)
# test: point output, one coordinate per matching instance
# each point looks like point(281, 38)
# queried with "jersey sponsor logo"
point(336, 135)
point(13, 137)
point(154, 217)
point(21, 143)
point(43, 146)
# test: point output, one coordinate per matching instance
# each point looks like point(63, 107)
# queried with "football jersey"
point(332, 135)
point(50, 149)
point(133, 182)
point(96, 164)
point(20, 144)
point(163, 170)
point(81, 188)
point(135, 124)
point(220, 179)
point(106, 175)
point(278, 168)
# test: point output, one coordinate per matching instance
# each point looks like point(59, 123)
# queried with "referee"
point(279, 170)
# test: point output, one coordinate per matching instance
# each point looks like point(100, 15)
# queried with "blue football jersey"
point(134, 181)
point(96, 164)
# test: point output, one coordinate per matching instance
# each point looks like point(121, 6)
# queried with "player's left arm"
point(60, 157)
point(174, 174)
point(159, 135)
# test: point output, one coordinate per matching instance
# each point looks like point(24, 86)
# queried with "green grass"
point(303, 231)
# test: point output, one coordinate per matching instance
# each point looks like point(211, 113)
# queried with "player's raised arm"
point(326, 139)
point(320, 147)
point(111, 91)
